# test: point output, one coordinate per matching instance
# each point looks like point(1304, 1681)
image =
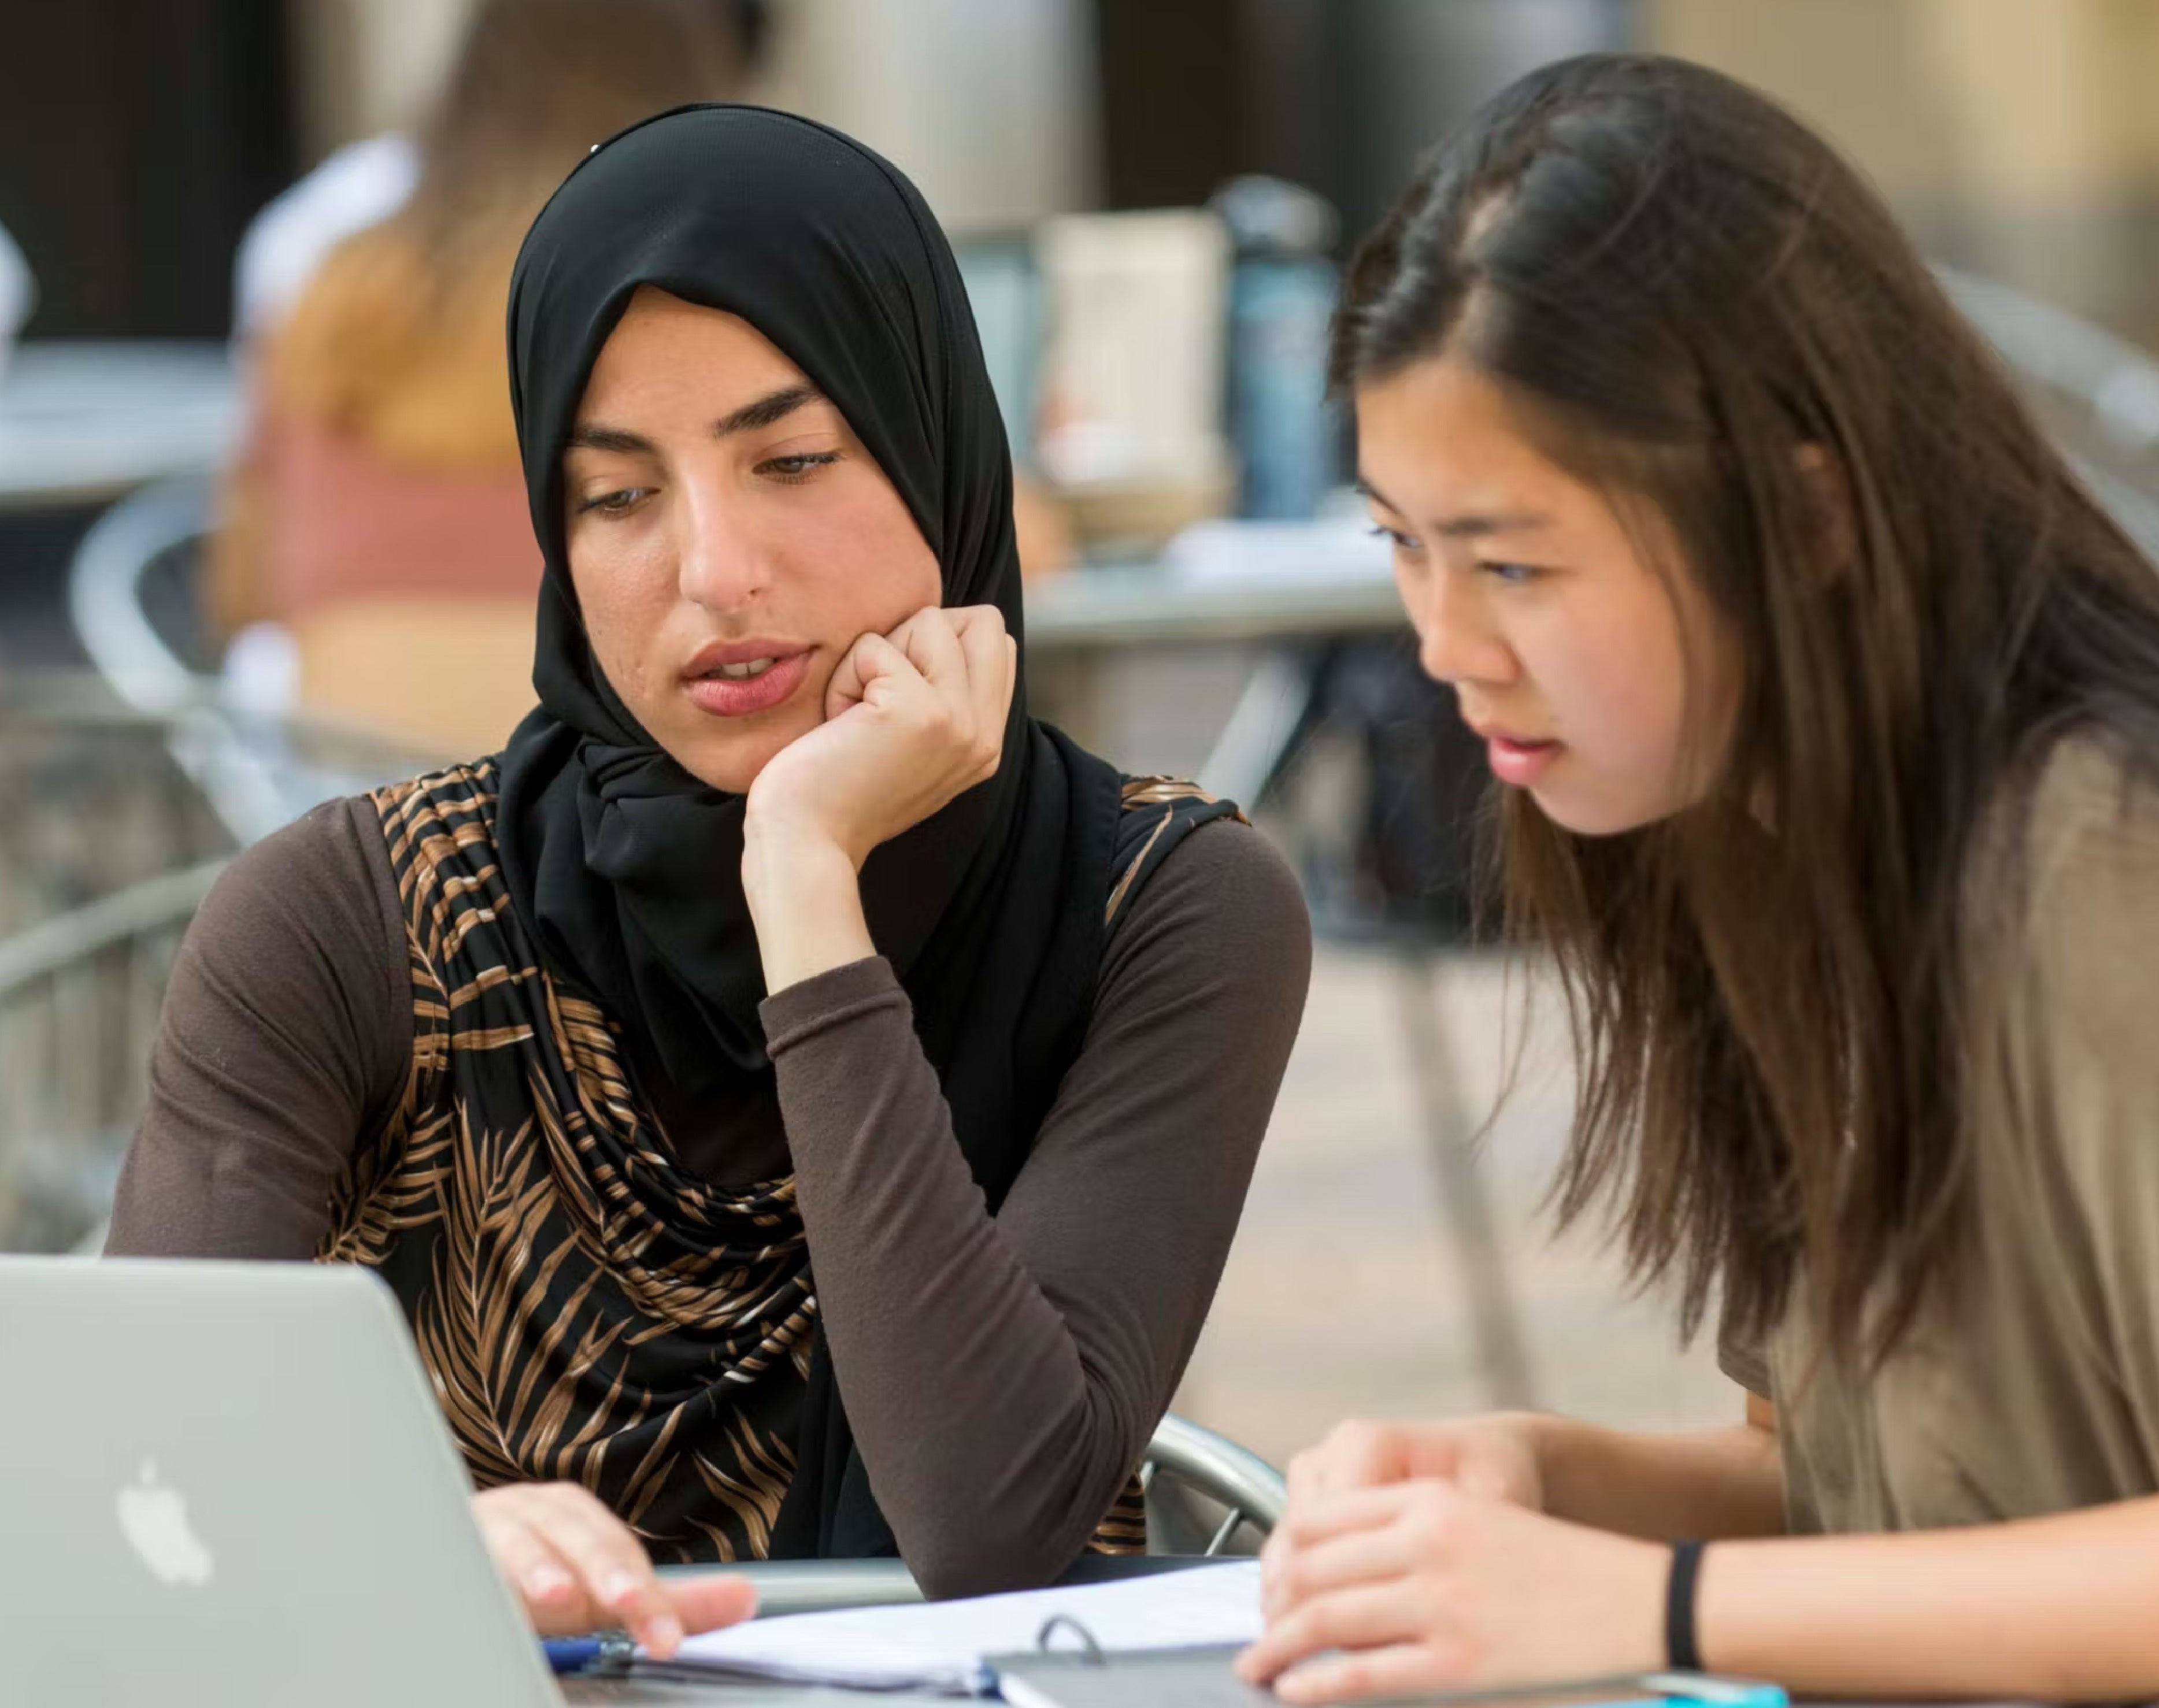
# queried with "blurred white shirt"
point(360, 184)
point(18, 294)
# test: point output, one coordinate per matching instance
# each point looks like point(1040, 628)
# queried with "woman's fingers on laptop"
point(578, 1566)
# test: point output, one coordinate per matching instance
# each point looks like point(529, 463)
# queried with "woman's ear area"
point(1834, 534)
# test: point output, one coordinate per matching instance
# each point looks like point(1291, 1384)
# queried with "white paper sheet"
point(943, 1646)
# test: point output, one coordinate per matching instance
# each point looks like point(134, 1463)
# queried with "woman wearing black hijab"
point(906, 1255)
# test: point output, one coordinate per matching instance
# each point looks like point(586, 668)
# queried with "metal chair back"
point(258, 773)
point(1205, 1494)
point(79, 995)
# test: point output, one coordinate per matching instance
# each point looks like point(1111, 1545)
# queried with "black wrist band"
point(1680, 1653)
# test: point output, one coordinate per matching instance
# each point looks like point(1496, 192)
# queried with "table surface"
point(83, 422)
point(1149, 605)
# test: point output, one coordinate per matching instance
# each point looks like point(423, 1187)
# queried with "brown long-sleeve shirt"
point(1002, 1374)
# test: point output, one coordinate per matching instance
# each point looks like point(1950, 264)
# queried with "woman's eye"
point(1514, 574)
point(619, 502)
point(1399, 541)
point(797, 466)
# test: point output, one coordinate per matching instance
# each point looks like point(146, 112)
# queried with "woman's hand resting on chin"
point(912, 720)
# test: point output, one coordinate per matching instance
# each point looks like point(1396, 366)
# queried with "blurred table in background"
point(82, 424)
point(1257, 598)
point(1147, 605)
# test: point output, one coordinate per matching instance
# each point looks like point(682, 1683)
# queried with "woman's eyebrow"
point(758, 412)
point(763, 411)
point(1476, 526)
point(591, 436)
point(1473, 525)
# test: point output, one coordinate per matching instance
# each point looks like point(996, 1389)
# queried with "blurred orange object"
point(1044, 530)
point(445, 674)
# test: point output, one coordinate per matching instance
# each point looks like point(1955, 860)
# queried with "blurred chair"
point(79, 994)
point(90, 799)
point(257, 772)
point(118, 808)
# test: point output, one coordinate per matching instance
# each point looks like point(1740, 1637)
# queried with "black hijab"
point(627, 868)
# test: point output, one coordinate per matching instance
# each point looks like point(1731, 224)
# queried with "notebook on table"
point(955, 1649)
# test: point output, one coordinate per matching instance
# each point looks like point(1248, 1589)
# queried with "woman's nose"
point(724, 564)
point(1455, 644)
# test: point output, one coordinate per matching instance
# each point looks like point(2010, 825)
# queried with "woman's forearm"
point(2059, 1609)
point(994, 1446)
point(1701, 1483)
point(805, 899)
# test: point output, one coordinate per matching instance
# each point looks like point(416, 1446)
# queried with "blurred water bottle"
point(1281, 295)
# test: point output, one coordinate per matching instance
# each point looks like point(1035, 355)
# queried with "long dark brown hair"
point(538, 82)
point(1697, 304)
point(399, 337)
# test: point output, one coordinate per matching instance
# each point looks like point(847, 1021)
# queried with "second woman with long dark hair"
point(1825, 702)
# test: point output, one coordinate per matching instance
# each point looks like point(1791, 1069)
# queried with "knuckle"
point(1461, 1654)
point(1355, 1438)
point(1431, 1528)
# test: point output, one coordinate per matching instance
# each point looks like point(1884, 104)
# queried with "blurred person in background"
point(1824, 702)
point(779, 938)
point(377, 513)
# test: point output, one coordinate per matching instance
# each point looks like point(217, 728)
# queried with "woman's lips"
point(741, 696)
point(1519, 762)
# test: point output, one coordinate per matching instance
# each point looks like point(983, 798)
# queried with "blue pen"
point(570, 1655)
point(612, 1652)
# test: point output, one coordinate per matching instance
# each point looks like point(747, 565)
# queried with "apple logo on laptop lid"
point(154, 1520)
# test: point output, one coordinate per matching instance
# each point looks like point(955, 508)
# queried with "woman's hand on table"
point(578, 1568)
point(1497, 1456)
point(1427, 1586)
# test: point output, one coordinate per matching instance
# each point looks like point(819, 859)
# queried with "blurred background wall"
point(137, 136)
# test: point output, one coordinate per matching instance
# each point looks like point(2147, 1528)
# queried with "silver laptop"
point(230, 1483)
